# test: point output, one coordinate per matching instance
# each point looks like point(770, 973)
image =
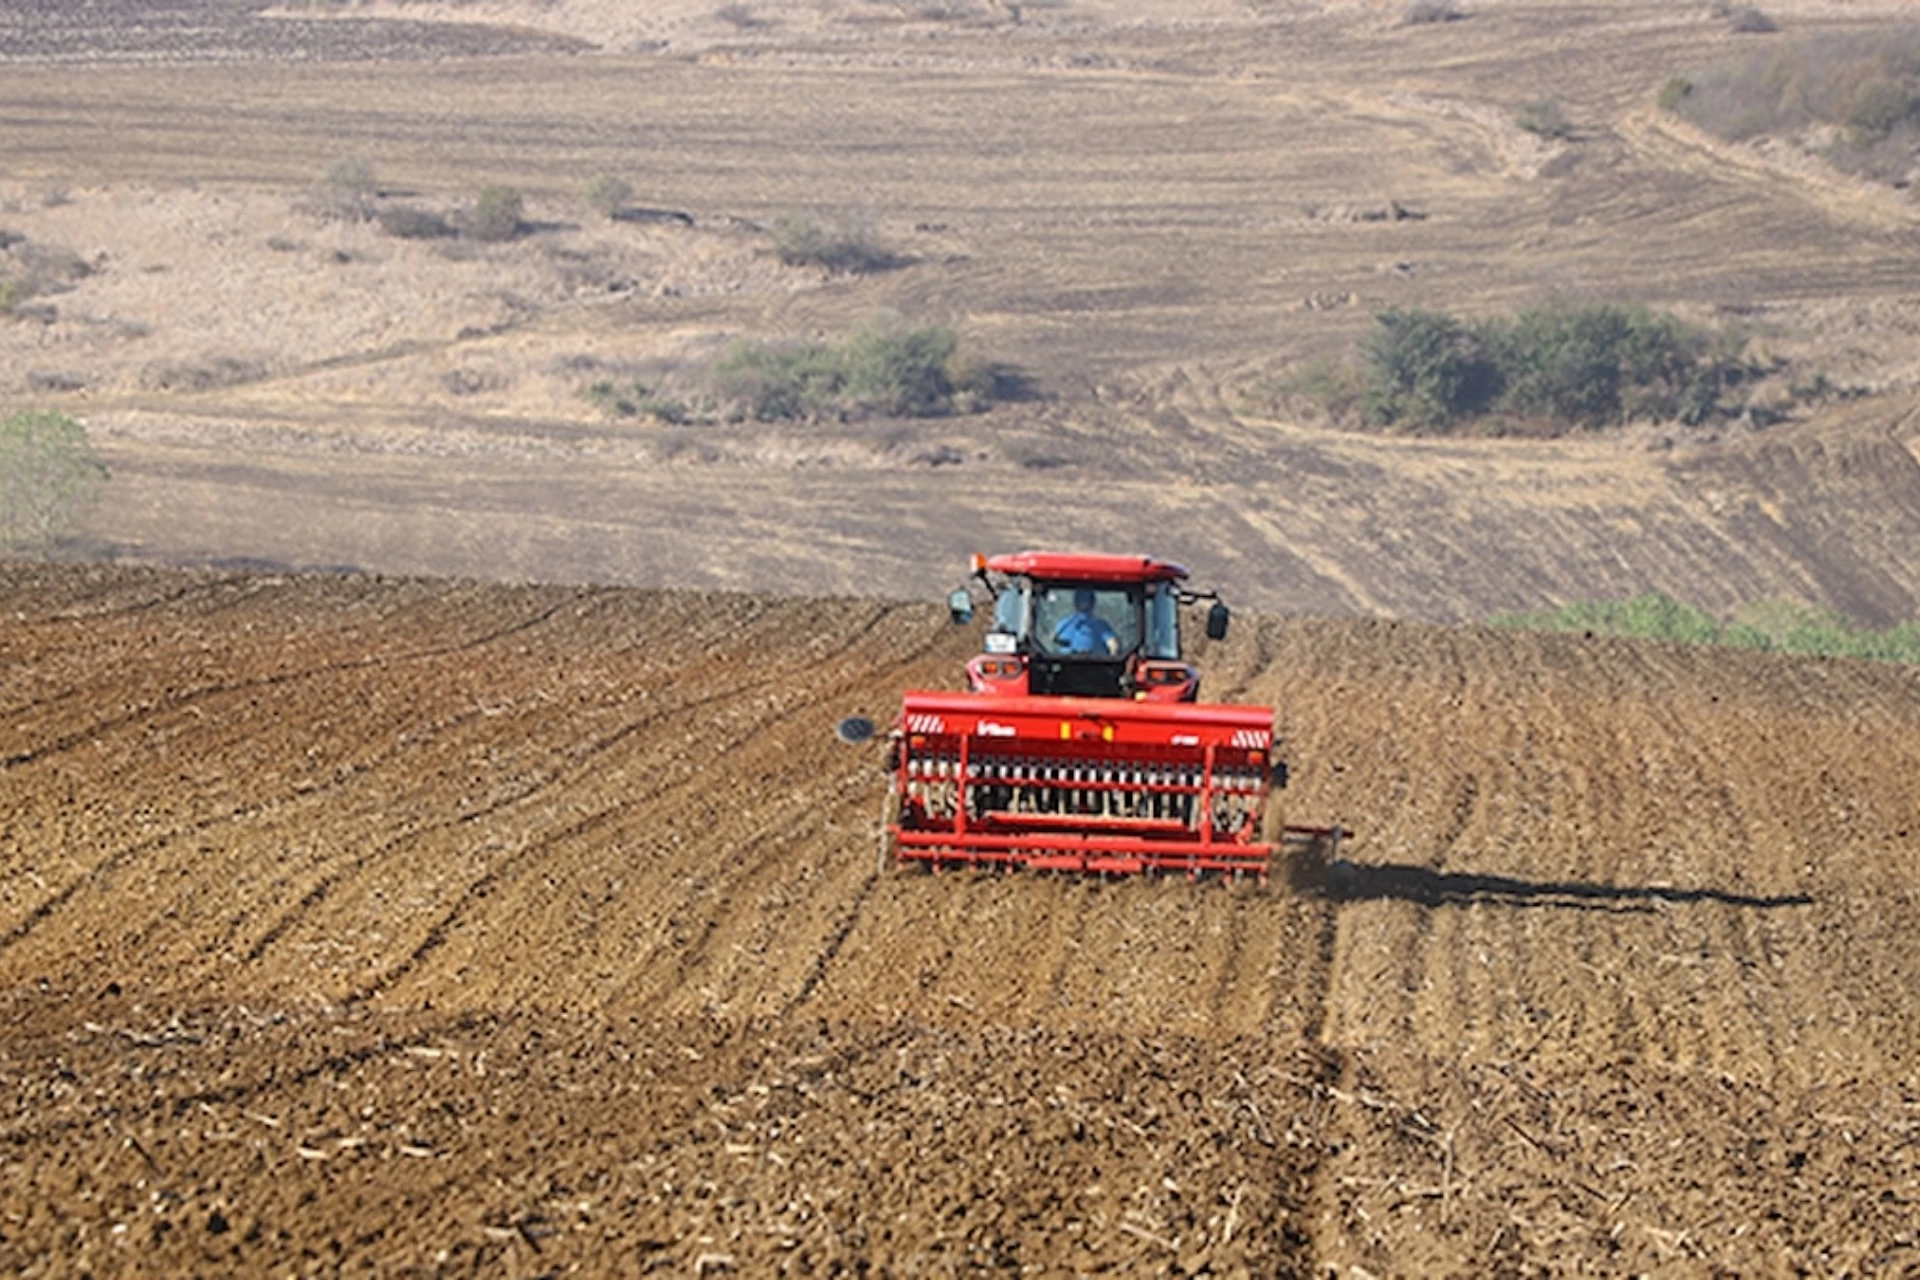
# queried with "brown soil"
point(420, 927)
point(417, 926)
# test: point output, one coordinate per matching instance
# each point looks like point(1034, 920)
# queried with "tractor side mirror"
point(960, 605)
point(1217, 621)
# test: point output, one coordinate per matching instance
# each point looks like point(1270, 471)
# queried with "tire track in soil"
point(755, 851)
point(1604, 892)
point(1565, 986)
point(835, 942)
point(1296, 1011)
point(1235, 949)
point(747, 854)
point(169, 596)
point(124, 858)
point(532, 849)
point(120, 861)
point(312, 796)
point(193, 697)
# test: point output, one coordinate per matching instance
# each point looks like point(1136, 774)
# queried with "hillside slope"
point(422, 926)
point(1152, 213)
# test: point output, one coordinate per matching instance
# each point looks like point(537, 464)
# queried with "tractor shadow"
point(1340, 880)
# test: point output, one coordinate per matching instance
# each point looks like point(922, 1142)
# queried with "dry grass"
point(1139, 232)
point(1853, 96)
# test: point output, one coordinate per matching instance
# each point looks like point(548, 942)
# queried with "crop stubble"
point(425, 926)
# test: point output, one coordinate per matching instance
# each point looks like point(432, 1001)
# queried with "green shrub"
point(1424, 369)
point(606, 396)
point(48, 471)
point(1747, 20)
point(880, 369)
point(846, 249)
point(667, 409)
point(497, 214)
point(1864, 81)
point(1653, 616)
point(1545, 118)
point(410, 222)
point(636, 400)
point(774, 381)
point(49, 266)
point(607, 195)
point(1880, 106)
point(1599, 365)
point(55, 380)
point(902, 371)
point(347, 192)
point(1421, 12)
point(1588, 366)
point(977, 383)
point(12, 294)
point(1818, 388)
point(1327, 385)
point(1797, 628)
point(201, 375)
point(352, 175)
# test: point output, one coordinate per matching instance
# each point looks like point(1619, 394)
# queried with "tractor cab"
point(1084, 626)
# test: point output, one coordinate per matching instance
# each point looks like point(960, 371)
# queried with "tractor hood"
point(1005, 722)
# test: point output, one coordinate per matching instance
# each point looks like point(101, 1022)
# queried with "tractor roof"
point(1068, 567)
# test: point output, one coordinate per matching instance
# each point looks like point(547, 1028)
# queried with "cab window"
point(1080, 620)
point(1010, 611)
point(1163, 621)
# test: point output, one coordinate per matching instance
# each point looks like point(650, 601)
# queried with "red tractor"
point(1080, 744)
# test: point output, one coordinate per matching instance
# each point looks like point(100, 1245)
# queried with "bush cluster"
point(1585, 366)
point(1862, 86)
point(1422, 12)
point(497, 214)
point(848, 249)
point(636, 399)
point(608, 194)
point(353, 176)
point(739, 16)
point(350, 192)
point(410, 222)
point(1545, 118)
point(1777, 626)
point(910, 372)
point(1747, 20)
point(29, 268)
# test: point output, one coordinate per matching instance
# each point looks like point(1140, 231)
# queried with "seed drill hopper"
point(1080, 744)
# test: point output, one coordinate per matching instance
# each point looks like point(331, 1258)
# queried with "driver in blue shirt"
point(1084, 631)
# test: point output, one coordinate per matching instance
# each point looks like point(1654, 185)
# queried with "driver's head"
point(1083, 600)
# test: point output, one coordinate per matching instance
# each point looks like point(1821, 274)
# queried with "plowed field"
point(417, 927)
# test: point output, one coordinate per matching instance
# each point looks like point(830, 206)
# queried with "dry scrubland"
point(1150, 211)
point(418, 926)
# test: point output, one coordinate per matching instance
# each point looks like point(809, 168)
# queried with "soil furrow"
point(1601, 889)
